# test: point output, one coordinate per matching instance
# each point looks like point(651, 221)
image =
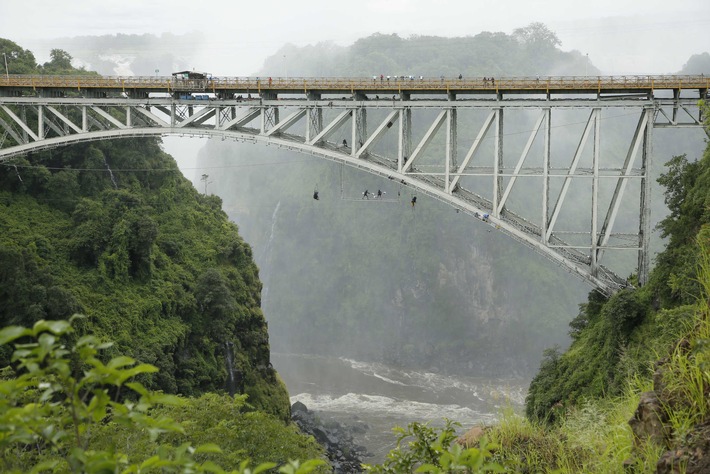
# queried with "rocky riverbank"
point(344, 455)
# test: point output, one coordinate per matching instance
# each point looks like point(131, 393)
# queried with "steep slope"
point(112, 230)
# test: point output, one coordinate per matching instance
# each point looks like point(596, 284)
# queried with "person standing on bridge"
point(414, 201)
point(269, 81)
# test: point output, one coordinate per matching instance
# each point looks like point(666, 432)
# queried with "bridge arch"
point(30, 124)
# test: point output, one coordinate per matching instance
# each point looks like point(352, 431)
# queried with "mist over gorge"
point(299, 308)
point(377, 280)
point(428, 287)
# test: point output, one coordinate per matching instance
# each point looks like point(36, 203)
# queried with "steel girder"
point(429, 165)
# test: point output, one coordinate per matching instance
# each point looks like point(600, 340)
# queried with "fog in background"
point(228, 39)
point(651, 37)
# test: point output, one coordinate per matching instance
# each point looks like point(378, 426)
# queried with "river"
point(350, 391)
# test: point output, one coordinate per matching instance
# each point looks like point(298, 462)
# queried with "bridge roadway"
point(40, 112)
point(228, 87)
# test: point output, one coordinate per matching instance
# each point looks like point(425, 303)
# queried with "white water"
point(383, 397)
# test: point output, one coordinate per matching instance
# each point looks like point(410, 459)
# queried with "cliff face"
point(378, 279)
point(155, 266)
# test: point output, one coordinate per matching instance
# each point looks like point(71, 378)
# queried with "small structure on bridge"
point(191, 81)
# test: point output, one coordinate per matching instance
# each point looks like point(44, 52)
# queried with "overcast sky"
point(620, 36)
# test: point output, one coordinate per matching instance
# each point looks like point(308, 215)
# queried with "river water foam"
point(383, 397)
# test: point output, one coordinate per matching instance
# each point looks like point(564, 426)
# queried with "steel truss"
point(481, 184)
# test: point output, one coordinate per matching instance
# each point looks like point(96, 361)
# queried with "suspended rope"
point(366, 195)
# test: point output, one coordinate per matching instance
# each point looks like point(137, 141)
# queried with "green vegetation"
point(101, 420)
point(650, 343)
point(156, 267)
point(22, 61)
point(112, 230)
point(622, 337)
point(421, 448)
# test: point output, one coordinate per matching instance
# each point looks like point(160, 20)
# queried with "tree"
point(55, 398)
point(60, 61)
point(19, 61)
point(537, 36)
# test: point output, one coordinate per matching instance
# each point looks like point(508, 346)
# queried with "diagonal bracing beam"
point(438, 121)
point(521, 160)
point(591, 121)
point(378, 133)
point(639, 138)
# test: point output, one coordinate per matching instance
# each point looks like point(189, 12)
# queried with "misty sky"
point(620, 36)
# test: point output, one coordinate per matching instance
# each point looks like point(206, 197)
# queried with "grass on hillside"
point(594, 436)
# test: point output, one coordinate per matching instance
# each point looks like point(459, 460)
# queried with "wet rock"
point(693, 457)
point(344, 455)
point(649, 420)
point(470, 438)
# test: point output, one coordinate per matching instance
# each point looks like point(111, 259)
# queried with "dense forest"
point(161, 277)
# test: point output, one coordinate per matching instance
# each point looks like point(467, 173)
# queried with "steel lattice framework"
point(442, 137)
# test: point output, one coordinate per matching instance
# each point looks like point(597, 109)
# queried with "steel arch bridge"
point(487, 146)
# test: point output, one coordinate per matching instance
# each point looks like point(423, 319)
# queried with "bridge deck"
point(22, 84)
point(346, 120)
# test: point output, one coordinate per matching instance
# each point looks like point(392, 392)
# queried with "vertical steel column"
point(497, 161)
point(129, 121)
point(269, 115)
point(645, 214)
point(84, 120)
point(359, 129)
point(40, 122)
point(405, 137)
point(594, 265)
point(617, 196)
point(545, 177)
point(451, 147)
point(314, 124)
point(23, 119)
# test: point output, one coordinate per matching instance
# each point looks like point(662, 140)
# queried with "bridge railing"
point(373, 83)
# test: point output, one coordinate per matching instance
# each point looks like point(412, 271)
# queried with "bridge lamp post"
point(586, 63)
point(7, 71)
point(285, 73)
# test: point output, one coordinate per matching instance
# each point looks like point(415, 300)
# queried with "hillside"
point(157, 267)
point(114, 231)
point(633, 389)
